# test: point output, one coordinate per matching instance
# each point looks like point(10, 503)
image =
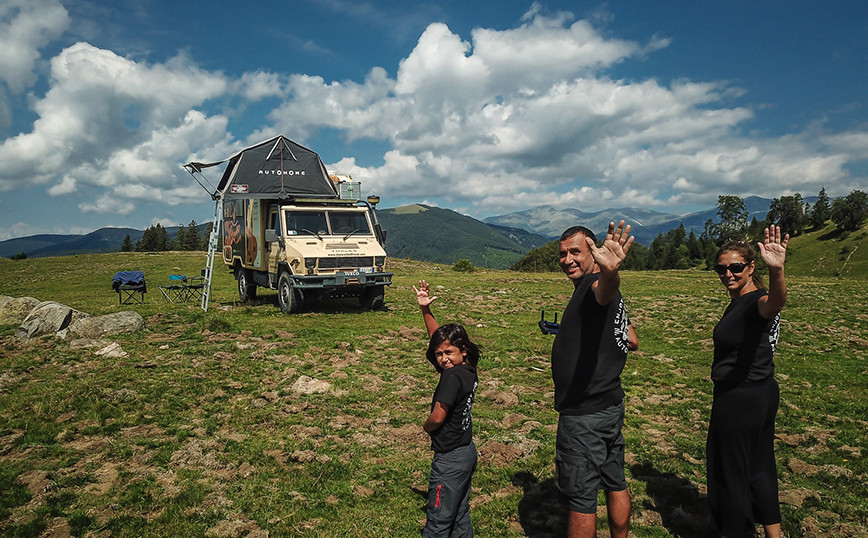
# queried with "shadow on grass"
point(683, 509)
point(423, 494)
point(541, 512)
point(834, 234)
point(325, 305)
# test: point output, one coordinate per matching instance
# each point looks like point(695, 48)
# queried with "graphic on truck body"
point(241, 226)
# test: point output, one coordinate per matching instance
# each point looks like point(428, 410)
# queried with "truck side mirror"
point(381, 233)
point(270, 235)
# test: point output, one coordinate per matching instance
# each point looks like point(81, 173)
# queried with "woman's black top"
point(744, 342)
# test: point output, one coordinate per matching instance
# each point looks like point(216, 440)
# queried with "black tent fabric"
point(275, 169)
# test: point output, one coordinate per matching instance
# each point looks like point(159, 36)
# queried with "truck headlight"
point(379, 262)
point(310, 265)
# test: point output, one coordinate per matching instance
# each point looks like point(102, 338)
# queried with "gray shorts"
point(590, 457)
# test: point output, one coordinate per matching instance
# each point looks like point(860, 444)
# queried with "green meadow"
point(242, 421)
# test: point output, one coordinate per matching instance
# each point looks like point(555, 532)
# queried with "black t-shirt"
point(456, 390)
point(589, 352)
point(744, 342)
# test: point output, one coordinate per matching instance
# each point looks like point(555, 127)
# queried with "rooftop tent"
point(276, 168)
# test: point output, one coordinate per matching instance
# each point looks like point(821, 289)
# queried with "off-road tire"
point(287, 297)
point(246, 288)
point(374, 298)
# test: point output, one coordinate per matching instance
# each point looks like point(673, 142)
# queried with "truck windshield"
point(306, 223)
point(344, 222)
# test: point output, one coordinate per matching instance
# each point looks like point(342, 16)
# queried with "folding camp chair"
point(130, 287)
point(176, 290)
point(195, 285)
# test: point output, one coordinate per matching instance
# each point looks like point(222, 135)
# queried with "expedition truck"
point(285, 226)
point(306, 249)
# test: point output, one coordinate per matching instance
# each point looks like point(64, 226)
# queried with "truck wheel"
point(246, 289)
point(286, 295)
point(374, 298)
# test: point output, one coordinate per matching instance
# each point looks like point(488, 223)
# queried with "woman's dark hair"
point(457, 336)
point(747, 252)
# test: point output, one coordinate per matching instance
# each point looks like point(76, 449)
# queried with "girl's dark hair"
point(747, 252)
point(457, 336)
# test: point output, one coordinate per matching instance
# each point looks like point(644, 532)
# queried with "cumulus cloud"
point(26, 27)
point(66, 186)
point(106, 203)
point(111, 122)
point(259, 85)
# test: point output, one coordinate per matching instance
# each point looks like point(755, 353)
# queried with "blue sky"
point(482, 107)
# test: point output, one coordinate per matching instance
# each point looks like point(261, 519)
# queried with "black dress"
point(742, 474)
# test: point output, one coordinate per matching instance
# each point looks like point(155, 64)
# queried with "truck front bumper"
point(341, 280)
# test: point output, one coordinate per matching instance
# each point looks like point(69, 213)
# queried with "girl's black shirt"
point(456, 389)
point(744, 342)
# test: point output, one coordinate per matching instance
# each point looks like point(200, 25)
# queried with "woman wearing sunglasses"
point(742, 475)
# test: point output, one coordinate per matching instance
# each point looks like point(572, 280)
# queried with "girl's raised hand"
point(423, 294)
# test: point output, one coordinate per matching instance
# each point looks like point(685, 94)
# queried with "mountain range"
point(645, 224)
point(434, 234)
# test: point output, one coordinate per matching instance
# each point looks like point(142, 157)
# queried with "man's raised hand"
point(614, 249)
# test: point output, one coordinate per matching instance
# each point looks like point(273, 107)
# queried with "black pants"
point(742, 475)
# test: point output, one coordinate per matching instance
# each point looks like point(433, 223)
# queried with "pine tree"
point(695, 249)
point(180, 241)
point(821, 210)
point(194, 240)
point(154, 239)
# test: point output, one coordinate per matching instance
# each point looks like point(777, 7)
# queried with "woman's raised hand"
point(773, 249)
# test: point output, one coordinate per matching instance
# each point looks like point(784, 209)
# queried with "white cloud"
point(25, 27)
point(259, 85)
point(108, 204)
point(116, 123)
point(66, 186)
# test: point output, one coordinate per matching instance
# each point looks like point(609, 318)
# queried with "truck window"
point(274, 221)
point(306, 223)
point(344, 222)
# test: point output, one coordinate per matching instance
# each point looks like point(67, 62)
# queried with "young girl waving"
point(449, 424)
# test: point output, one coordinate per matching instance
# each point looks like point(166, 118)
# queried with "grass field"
point(242, 421)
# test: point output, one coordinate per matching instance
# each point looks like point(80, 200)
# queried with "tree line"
point(677, 249)
point(156, 239)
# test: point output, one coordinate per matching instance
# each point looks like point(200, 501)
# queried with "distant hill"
point(102, 240)
point(420, 232)
point(33, 243)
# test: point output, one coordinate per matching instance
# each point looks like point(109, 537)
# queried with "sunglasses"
point(734, 268)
